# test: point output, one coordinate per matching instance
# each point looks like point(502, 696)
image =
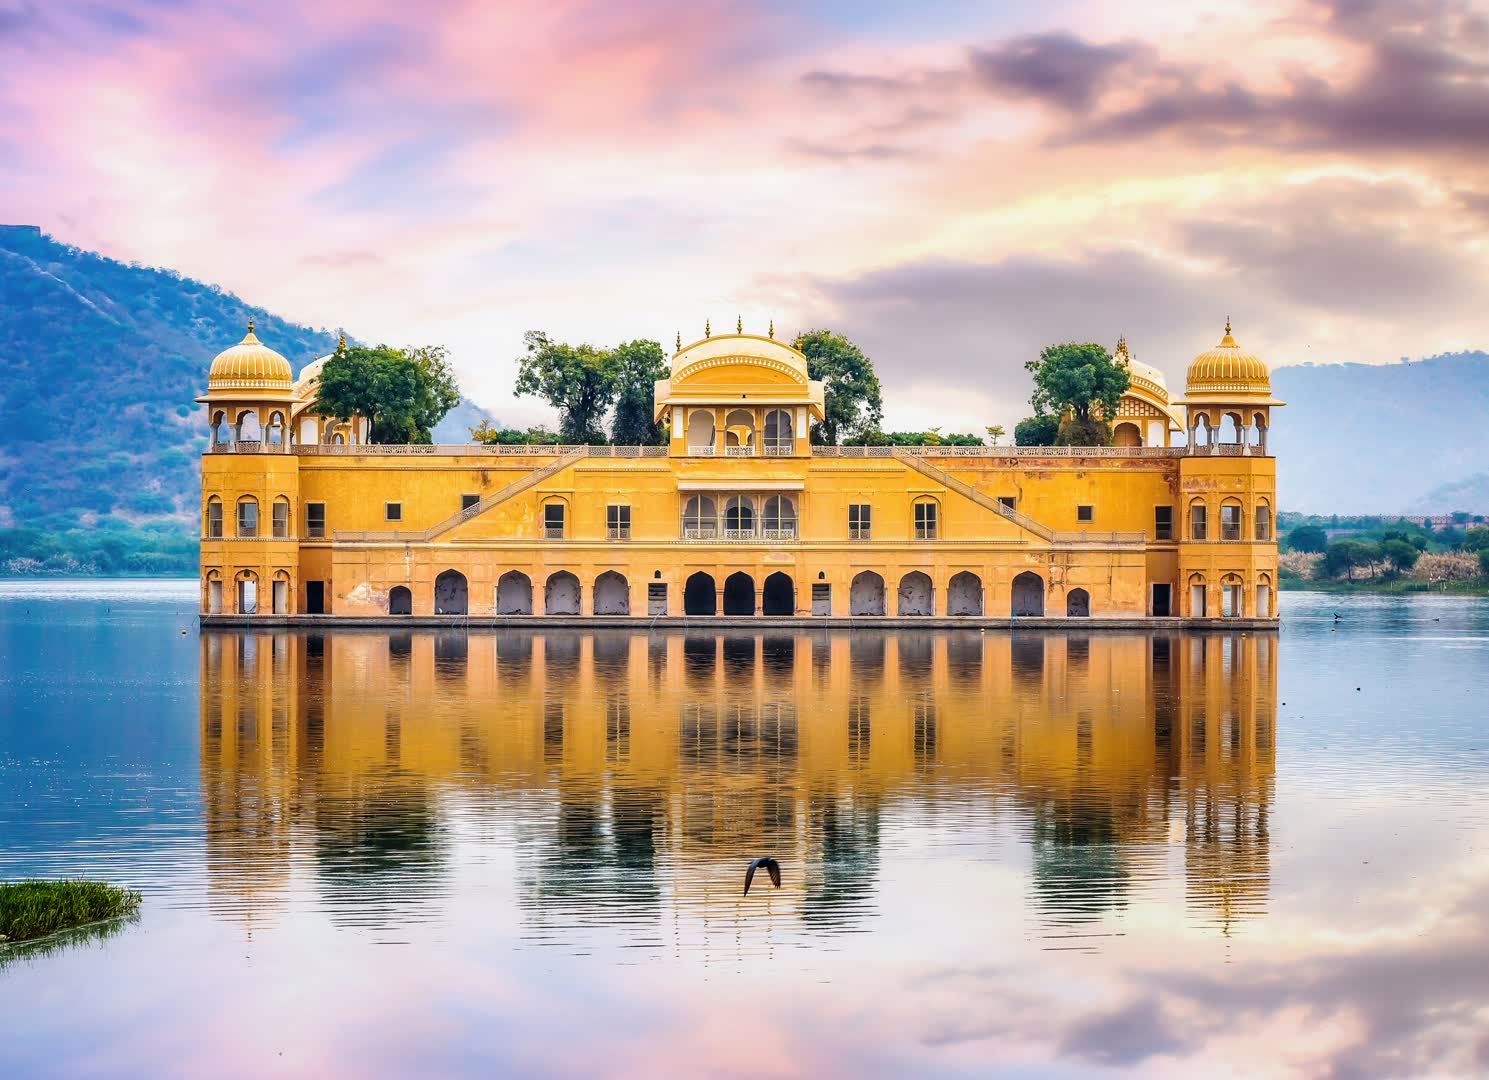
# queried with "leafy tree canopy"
point(1082, 384)
point(1308, 538)
point(912, 438)
point(852, 399)
point(1401, 555)
point(533, 436)
point(577, 380)
point(638, 367)
point(1036, 431)
point(402, 392)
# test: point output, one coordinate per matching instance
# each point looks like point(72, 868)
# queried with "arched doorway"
point(700, 596)
point(917, 595)
point(1127, 434)
point(964, 594)
point(400, 600)
point(1028, 594)
point(451, 596)
point(700, 431)
point(866, 594)
point(739, 594)
point(1078, 604)
point(778, 596)
point(248, 593)
point(561, 594)
point(514, 594)
point(612, 594)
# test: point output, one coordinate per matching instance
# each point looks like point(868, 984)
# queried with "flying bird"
point(769, 865)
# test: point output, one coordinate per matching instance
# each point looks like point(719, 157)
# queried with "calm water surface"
point(374, 854)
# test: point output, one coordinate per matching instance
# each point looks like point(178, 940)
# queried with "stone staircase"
point(516, 487)
point(941, 476)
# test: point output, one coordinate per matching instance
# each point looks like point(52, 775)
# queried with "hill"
point(1383, 438)
point(100, 461)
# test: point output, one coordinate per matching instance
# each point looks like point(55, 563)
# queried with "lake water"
point(522, 853)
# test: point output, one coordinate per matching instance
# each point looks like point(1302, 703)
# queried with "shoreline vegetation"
point(1401, 556)
point(35, 909)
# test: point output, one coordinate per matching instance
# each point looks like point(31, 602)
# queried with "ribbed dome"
point(1227, 368)
point(250, 365)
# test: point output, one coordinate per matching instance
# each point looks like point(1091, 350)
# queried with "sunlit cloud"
point(954, 189)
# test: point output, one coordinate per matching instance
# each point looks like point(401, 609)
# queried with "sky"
point(953, 185)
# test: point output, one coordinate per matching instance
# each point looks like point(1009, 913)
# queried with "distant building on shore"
point(739, 514)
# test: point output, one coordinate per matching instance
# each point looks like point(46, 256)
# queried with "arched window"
point(780, 517)
point(700, 518)
point(214, 518)
point(275, 435)
point(739, 517)
point(248, 516)
point(927, 519)
point(310, 431)
point(1259, 432)
point(248, 427)
point(338, 439)
point(214, 592)
point(279, 598)
point(1264, 596)
point(222, 431)
point(281, 518)
point(1230, 428)
point(739, 432)
point(700, 431)
point(1263, 520)
point(778, 437)
point(1230, 519)
point(1199, 520)
point(400, 600)
point(555, 516)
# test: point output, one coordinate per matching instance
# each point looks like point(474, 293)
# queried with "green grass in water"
point(33, 909)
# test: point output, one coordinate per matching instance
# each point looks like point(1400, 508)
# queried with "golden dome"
point(1144, 377)
point(1228, 369)
point(250, 365)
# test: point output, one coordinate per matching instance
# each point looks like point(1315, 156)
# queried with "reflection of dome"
point(249, 365)
point(1227, 368)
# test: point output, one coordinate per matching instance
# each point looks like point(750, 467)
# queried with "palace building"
point(739, 514)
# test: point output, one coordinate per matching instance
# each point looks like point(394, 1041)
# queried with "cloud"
point(1058, 68)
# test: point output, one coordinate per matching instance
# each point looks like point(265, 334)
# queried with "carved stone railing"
point(999, 451)
point(714, 534)
point(739, 451)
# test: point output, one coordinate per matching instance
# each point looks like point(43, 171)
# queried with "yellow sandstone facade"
point(739, 515)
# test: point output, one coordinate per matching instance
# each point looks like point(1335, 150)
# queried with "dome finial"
point(1228, 339)
point(772, 329)
point(679, 342)
point(707, 332)
point(250, 324)
point(738, 324)
point(341, 345)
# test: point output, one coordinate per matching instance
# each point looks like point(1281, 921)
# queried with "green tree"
point(403, 393)
point(1081, 384)
point(1308, 538)
point(1484, 563)
point(1400, 554)
point(485, 433)
point(577, 380)
point(1345, 556)
point(1039, 430)
point(995, 432)
point(853, 402)
point(638, 367)
point(1476, 539)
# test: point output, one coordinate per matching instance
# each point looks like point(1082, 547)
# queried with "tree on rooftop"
point(853, 402)
point(1081, 384)
point(1036, 431)
point(577, 380)
point(403, 393)
point(638, 367)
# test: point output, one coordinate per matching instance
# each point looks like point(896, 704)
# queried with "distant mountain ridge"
point(102, 360)
point(1409, 437)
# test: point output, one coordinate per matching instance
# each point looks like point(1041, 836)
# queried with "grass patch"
point(33, 909)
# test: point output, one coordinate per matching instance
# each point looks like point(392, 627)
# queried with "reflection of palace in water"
point(635, 775)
